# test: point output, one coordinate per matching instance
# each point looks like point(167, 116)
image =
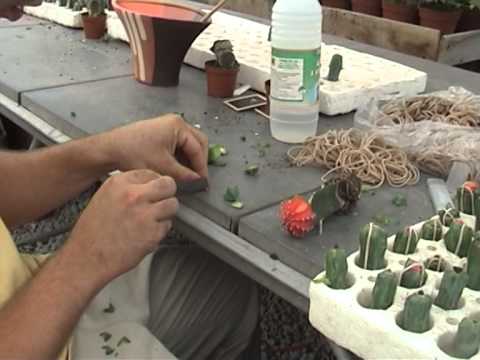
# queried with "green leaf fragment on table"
point(110, 309)
point(252, 170)
point(237, 205)
point(123, 340)
point(399, 200)
point(232, 194)
point(105, 335)
point(108, 349)
point(215, 152)
point(381, 219)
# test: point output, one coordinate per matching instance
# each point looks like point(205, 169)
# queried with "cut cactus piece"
point(473, 264)
point(416, 313)
point(451, 289)
point(336, 66)
point(373, 244)
point(413, 275)
point(459, 238)
point(297, 216)
point(432, 230)
point(384, 290)
point(447, 216)
point(406, 241)
point(336, 269)
point(466, 197)
point(467, 339)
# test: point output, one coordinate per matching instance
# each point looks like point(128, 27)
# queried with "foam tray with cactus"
point(414, 295)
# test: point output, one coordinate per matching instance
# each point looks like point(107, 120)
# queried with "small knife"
point(192, 186)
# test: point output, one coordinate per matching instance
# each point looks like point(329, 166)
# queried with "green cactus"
point(473, 264)
point(436, 263)
point(96, 7)
point(373, 244)
point(467, 199)
point(336, 269)
point(447, 216)
point(416, 313)
point(384, 290)
point(406, 241)
point(336, 66)
point(467, 339)
point(413, 275)
point(458, 238)
point(432, 230)
point(62, 3)
point(451, 288)
point(223, 50)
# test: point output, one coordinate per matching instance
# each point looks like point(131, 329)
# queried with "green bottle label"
point(295, 75)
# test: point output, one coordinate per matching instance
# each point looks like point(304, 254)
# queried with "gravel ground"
point(285, 331)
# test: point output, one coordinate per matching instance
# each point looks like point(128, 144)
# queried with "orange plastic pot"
point(220, 82)
point(94, 26)
point(444, 20)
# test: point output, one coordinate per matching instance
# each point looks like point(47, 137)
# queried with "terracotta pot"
point(470, 20)
point(369, 7)
point(340, 4)
point(400, 12)
point(94, 26)
point(444, 20)
point(160, 35)
point(220, 82)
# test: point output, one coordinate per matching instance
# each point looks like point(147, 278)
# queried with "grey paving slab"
point(43, 56)
point(103, 105)
point(306, 255)
point(25, 20)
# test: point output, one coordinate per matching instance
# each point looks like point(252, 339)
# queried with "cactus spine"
point(384, 290)
point(337, 269)
point(451, 288)
point(473, 264)
point(432, 230)
point(406, 241)
point(416, 313)
point(458, 239)
point(373, 244)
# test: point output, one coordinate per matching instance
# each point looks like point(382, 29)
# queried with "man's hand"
point(167, 145)
point(126, 220)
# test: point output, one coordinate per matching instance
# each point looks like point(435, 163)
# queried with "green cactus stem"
point(223, 50)
point(413, 275)
point(447, 216)
point(473, 264)
point(436, 263)
point(62, 3)
point(336, 66)
point(451, 288)
point(467, 339)
point(416, 313)
point(373, 244)
point(384, 290)
point(432, 230)
point(458, 238)
point(336, 269)
point(406, 241)
point(467, 196)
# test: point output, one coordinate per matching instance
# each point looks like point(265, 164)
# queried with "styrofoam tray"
point(374, 334)
point(363, 76)
point(57, 14)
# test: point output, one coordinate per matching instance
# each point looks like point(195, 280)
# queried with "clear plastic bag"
point(434, 145)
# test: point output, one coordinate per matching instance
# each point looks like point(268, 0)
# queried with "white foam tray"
point(57, 14)
point(363, 76)
point(374, 334)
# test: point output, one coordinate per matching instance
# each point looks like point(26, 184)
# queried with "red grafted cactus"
point(297, 216)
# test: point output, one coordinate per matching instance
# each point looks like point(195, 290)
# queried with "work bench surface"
point(96, 93)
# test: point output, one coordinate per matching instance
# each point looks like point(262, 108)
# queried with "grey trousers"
point(201, 308)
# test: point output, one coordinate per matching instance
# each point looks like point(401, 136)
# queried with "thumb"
point(180, 172)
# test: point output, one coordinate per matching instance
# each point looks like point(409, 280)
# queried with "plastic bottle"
point(295, 77)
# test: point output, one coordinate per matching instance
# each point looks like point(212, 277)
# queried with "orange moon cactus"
point(297, 216)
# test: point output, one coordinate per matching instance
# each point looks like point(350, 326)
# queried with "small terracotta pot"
point(444, 20)
point(220, 82)
point(470, 20)
point(94, 26)
point(339, 4)
point(400, 12)
point(369, 7)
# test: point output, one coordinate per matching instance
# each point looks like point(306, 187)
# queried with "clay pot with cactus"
point(222, 72)
point(94, 19)
point(401, 10)
point(442, 15)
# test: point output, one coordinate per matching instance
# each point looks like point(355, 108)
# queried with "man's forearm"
point(34, 183)
point(39, 319)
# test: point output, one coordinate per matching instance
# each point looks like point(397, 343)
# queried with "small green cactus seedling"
point(223, 50)
point(413, 275)
point(432, 230)
point(451, 289)
point(467, 339)
point(384, 290)
point(336, 269)
point(458, 238)
point(373, 244)
point(406, 241)
point(416, 313)
point(336, 66)
point(473, 264)
point(447, 216)
point(96, 7)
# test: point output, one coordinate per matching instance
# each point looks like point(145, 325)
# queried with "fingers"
point(180, 172)
point(194, 150)
point(165, 210)
point(159, 189)
point(203, 140)
point(139, 176)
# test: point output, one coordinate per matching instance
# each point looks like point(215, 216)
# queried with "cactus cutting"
point(467, 339)
point(447, 216)
point(458, 238)
point(297, 216)
point(467, 197)
point(406, 241)
point(432, 230)
point(373, 244)
point(473, 264)
point(384, 290)
point(336, 269)
point(451, 289)
point(416, 313)
point(413, 275)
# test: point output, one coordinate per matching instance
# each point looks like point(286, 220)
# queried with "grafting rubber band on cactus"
point(432, 230)
point(413, 275)
point(447, 216)
point(466, 198)
point(373, 244)
point(406, 241)
point(459, 238)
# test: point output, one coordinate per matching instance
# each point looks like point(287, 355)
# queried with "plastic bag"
point(432, 144)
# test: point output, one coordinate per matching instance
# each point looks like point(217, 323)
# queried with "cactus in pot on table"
point(401, 10)
point(94, 20)
point(442, 15)
point(222, 73)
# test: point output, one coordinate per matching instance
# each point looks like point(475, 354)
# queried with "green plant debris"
point(400, 200)
point(108, 349)
point(321, 280)
point(215, 152)
point(110, 309)
point(105, 335)
point(232, 196)
point(382, 219)
point(262, 149)
point(123, 340)
point(73, 114)
point(252, 170)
